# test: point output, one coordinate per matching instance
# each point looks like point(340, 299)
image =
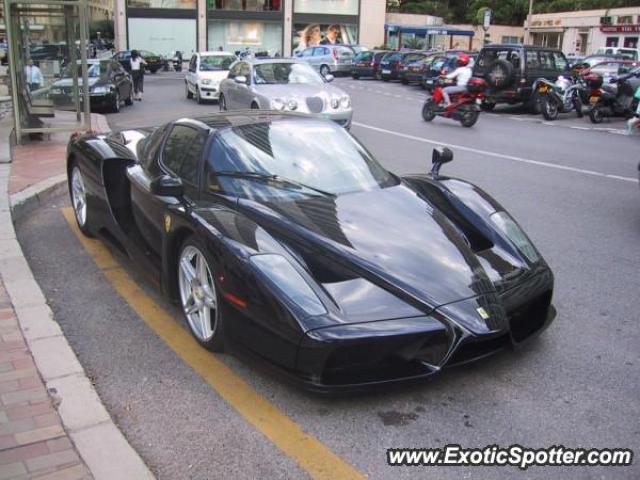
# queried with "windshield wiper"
point(263, 177)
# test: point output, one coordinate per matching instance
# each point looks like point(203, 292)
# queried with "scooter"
point(562, 96)
point(611, 99)
point(177, 61)
point(465, 106)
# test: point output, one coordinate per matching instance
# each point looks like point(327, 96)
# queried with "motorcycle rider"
point(462, 74)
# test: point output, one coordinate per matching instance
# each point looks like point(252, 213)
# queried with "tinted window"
point(392, 57)
point(379, 55)
point(152, 146)
point(210, 63)
point(364, 57)
point(175, 147)
point(560, 61)
point(312, 152)
point(191, 160)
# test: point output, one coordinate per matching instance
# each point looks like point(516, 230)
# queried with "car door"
point(244, 94)
point(118, 78)
point(175, 157)
point(192, 79)
point(231, 87)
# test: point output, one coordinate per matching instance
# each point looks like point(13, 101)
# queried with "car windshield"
point(308, 155)
point(285, 73)
point(94, 70)
point(364, 57)
point(210, 63)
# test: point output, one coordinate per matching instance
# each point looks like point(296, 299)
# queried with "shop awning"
point(429, 30)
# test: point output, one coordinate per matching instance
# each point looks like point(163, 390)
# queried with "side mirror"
point(241, 80)
point(440, 156)
point(328, 77)
point(167, 186)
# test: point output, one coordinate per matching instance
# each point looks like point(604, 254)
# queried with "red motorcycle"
point(465, 106)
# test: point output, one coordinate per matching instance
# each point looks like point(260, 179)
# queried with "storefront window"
point(333, 7)
point(612, 41)
point(161, 3)
point(237, 35)
point(631, 42)
point(308, 35)
point(245, 5)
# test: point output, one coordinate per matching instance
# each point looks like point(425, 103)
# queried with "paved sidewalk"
point(33, 442)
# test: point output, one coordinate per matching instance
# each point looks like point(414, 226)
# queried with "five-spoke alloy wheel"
point(78, 193)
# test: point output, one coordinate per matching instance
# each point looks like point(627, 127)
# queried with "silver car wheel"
point(78, 196)
point(197, 293)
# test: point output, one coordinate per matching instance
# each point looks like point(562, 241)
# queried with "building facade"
point(583, 32)
point(275, 27)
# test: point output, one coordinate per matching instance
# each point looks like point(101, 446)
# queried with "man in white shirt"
point(33, 76)
point(462, 74)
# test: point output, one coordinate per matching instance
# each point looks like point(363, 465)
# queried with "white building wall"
point(372, 18)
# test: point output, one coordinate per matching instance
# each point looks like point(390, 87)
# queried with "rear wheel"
point(324, 70)
point(577, 104)
point(115, 106)
point(549, 108)
point(469, 117)
point(199, 295)
point(533, 105)
point(78, 193)
point(355, 77)
point(404, 81)
point(429, 110)
point(596, 115)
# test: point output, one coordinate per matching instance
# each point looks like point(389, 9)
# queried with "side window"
point(560, 61)
point(532, 60)
point(318, 51)
point(235, 71)
point(175, 147)
point(191, 160)
point(245, 70)
point(546, 60)
point(306, 52)
point(152, 147)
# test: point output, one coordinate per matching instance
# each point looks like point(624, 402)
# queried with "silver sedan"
point(285, 85)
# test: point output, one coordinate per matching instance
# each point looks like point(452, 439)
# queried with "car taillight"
point(335, 54)
point(373, 64)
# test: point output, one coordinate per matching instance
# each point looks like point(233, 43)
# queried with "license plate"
point(594, 99)
point(429, 82)
point(386, 71)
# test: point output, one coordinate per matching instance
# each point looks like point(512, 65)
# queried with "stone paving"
point(33, 443)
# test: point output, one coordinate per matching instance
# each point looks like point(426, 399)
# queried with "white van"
point(627, 53)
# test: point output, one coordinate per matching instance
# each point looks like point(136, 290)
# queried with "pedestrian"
point(33, 76)
point(137, 72)
point(634, 122)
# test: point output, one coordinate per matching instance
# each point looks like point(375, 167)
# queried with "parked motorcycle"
point(465, 107)
point(611, 99)
point(561, 96)
point(177, 61)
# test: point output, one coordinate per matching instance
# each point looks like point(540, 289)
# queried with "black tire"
point(404, 81)
point(577, 104)
point(324, 70)
point(86, 226)
point(154, 71)
point(429, 110)
point(216, 342)
point(533, 105)
point(255, 106)
point(487, 106)
point(500, 74)
point(115, 106)
point(385, 79)
point(129, 100)
point(187, 91)
point(199, 98)
point(596, 115)
point(222, 103)
point(355, 77)
point(469, 117)
point(549, 108)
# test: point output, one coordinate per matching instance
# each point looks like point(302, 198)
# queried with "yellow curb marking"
point(312, 455)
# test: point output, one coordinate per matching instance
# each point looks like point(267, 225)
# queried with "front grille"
point(529, 317)
point(475, 348)
point(315, 104)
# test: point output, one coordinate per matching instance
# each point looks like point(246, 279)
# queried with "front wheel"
point(324, 70)
point(222, 103)
point(577, 104)
point(199, 295)
point(549, 108)
point(596, 115)
point(199, 98)
point(469, 118)
point(187, 91)
point(355, 77)
point(115, 106)
point(429, 110)
point(78, 193)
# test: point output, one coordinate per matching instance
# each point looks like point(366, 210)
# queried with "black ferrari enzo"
point(284, 239)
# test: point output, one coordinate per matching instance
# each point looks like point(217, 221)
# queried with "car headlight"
point(292, 104)
point(510, 228)
point(345, 101)
point(205, 81)
point(99, 89)
point(335, 102)
point(277, 104)
point(283, 276)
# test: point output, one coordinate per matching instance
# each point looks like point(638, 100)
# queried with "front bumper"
point(413, 77)
point(341, 67)
point(363, 71)
point(341, 117)
point(352, 357)
point(209, 92)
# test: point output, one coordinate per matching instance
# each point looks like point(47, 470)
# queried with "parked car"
point(279, 236)
point(443, 64)
point(625, 53)
point(589, 61)
point(414, 71)
point(328, 59)
point(206, 71)
point(367, 64)
point(109, 86)
point(284, 85)
point(511, 70)
point(154, 62)
point(392, 63)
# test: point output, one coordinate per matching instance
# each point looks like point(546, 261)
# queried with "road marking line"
point(312, 455)
point(497, 155)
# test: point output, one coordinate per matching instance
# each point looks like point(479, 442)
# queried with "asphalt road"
point(574, 190)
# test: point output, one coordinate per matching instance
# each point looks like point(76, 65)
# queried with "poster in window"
point(310, 35)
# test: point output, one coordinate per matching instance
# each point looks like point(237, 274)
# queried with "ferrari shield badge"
point(483, 313)
point(167, 223)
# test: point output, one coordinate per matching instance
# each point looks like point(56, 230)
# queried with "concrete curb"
point(102, 446)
